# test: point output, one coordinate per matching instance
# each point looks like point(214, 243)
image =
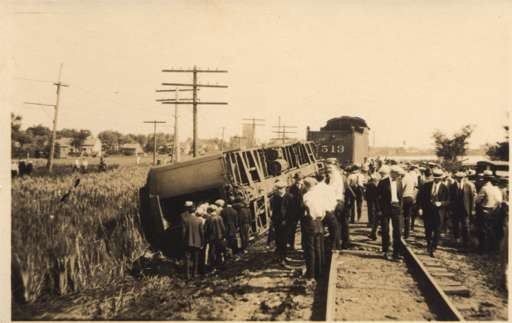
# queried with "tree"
point(500, 150)
point(110, 140)
point(140, 139)
point(163, 141)
point(449, 149)
point(16, 134)
point(80, 137)
point(67, 133)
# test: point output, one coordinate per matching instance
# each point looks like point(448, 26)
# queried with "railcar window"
point(242, 169)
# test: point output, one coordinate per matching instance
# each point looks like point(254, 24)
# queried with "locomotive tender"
point(344, 138)
point(247, 174)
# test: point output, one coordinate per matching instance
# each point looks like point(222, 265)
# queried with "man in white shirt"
point(316, 205)
point(410, 187)
point(488, 202)
point(389, 208)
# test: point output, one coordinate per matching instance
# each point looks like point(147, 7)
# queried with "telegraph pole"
point(239, 140)
point(252, 140)
point(222, 140)
point(154, 122)
point(282, 132)
point(195, 102)
point(55, 106)
point(176, 143)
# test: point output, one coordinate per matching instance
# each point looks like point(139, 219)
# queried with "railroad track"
point(362, 285)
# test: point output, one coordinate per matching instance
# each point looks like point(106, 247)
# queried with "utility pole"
point(195, 102)
point(154, 122)
point(239, 141)
point(222, 140)
point(55, 106)
point(252, 138)
point(176, 143)
point(282, 132)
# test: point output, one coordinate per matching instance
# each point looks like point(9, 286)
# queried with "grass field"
point(89, 240)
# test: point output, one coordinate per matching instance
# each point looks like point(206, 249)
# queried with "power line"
point(282, 132)
point(195, 87)
point(253, 124)
point(55, 106)
point(154, 122)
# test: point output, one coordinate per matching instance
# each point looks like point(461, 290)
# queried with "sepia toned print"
point(227, 161)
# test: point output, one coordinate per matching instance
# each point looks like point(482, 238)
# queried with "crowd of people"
point(470, 214)
point(212, 233)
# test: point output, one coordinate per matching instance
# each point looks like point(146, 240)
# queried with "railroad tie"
point(457, 290)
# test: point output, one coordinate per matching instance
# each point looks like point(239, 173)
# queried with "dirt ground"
point(372, 288)
point(252, 288)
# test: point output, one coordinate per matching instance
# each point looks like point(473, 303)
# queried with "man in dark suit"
point(279, 221)
point(433, 197)
point(371, 202)
point(245, 219)
point(230, 217)
point(462, 202)
point(389, 199)
point(193, 235)
point(294, 207)
point(214, 232)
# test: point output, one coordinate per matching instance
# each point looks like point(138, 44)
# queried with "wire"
point(33, 80)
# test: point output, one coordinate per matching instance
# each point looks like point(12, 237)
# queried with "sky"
point(406, 67)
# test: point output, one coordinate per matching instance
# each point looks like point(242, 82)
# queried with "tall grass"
point(87, 241)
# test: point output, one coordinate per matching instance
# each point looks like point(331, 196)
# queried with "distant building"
point(91, 146)
point(132, 149)
point(63, 147)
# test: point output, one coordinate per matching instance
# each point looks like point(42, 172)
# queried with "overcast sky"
point(407, 67)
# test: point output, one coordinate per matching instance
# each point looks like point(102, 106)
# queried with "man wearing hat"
point(244, 217)
point(389, 202)
point(410, 186)
point(371, 202)
point(230, 217)
point(315, 210)
point(462, 203)
point(294, 206)
point(214, 233)
point(433, 197)
point(488, 201)
point(279, 220)
point(193, 236)
point(357, 182)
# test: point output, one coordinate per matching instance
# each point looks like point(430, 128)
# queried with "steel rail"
point(433, 293)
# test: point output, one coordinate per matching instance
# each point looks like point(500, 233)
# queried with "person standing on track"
point(316, 206)
point(356, 180)
point(334, 181)
point(488, 201)
point(462, 204)
point(338, 182)
point(371, 202)
point(432, 198)
point(389, 201)
point(410, 186)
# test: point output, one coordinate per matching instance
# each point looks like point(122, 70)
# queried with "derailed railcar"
point(238, 174)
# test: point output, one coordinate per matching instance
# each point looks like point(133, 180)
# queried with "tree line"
point(34, 141)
